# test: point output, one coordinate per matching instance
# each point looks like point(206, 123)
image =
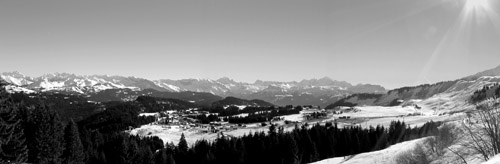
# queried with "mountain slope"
point(155, 104)
point(228, 101)
point(491, 72)
point(200, 98)
point(461, 92)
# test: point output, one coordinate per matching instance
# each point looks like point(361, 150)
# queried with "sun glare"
point(471, 5)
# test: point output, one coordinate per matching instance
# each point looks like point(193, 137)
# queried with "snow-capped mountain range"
point(312, 91)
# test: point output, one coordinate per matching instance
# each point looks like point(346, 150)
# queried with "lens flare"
point(474, 15)
point(471, 5)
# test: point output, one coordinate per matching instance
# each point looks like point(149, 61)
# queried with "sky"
point(393, 43)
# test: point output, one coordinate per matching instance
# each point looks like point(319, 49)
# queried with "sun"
point(472, 5)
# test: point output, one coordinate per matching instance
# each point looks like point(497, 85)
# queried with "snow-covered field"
point(173, 133)
point(148, 114)
point(380, 111)
point(294, 117)
point(298, 117)
point(493, 160)
point(365, 117)
point(411, 120)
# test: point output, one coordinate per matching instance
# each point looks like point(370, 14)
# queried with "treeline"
point(115, 118)
point(302, 145)
point(262, 116)
point(233, 100)
point(359, 96)
point(233, 110)
point(205, 119)
point(482, 94)
point(156, 104)
point(68, 106)
point(255, 114)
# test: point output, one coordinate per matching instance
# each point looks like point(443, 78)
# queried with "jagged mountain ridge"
point(313, 91)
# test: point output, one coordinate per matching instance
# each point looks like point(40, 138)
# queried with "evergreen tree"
point(73, 152)
point(12, 142)
point(146, 156)
point(182, 146)
point(48, 132)
point(160, 157)
point(170, 159)
point(132, 152)
point(239, 151)
point(291, 150)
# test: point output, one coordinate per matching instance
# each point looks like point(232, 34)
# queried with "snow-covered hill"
point(385, 156)
point(443, 96)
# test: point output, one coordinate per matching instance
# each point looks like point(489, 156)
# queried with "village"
point(185, 120)
point(171, 124)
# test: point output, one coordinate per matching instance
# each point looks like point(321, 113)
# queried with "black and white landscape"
point(249, 82)
point(321, 91)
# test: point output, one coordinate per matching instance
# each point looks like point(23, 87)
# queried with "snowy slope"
point(493, 160)
point(14, 88)
point(385, 156)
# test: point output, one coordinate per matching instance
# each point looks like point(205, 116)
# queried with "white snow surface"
point(381, 111)
point(241, 107)
point(385, 156)
point(13, 88)
point(172, 133)
point(169, 86)
point(493, 160)
point(148, 114)
point(51, 84)
point(294, 117)
point(12, 80)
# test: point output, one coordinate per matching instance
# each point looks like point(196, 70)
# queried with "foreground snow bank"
point(385, 156)
point(493, 160)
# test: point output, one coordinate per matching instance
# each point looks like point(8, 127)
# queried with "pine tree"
point(132, 155)
point(239, 151)
point(290, 150)
point(12, 142)
point(182, 150)
point(146, 155)
point(182, 146)
point(160, 156)
point(73, 152)
point(48, 136)
point(170, 159)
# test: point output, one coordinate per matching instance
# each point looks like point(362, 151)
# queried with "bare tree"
point(415, 155)
point(483, 129)
point(449, 135)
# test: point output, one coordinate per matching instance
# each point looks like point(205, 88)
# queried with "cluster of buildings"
point(185, 120)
